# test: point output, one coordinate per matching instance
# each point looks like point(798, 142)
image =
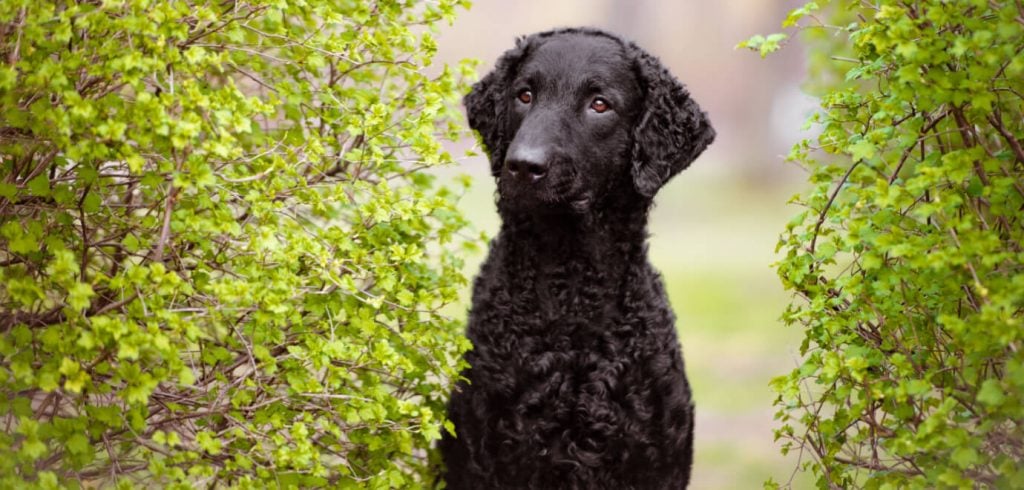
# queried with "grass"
point(713, 238)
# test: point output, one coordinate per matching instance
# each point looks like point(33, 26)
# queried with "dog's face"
point(571, 109)
point(571, 116)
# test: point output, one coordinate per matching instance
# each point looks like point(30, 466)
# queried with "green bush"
point(221, 263)
point(906, 263)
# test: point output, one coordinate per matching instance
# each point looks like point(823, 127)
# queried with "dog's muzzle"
point(527, 164)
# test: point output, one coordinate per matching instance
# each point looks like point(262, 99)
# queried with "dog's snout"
point(528, 164)
point(527, 169)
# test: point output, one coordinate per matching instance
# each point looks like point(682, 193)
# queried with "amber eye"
point(599, 105)
point(525, 96)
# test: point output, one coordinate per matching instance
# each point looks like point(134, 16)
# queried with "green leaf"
point(186, 377)
point(862, 150)
point(965, 457)
point(796, 14)
point(91, 203)
point(79, 296)
point(33, 449)
point(8, 190)
point(40, 185)
point(208, 442)
point(78, 444)
point(764, 44)
point(991, 393)
point(24, 244)
point(754, 42)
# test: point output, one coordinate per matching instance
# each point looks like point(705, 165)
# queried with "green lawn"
point(713, 238)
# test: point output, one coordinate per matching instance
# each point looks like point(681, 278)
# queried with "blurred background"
point(715, 226)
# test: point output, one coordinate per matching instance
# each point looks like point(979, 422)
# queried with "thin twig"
point(831, 199)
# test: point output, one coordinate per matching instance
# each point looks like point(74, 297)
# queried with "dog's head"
point(569, 116)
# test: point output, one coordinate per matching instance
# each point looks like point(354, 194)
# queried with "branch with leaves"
point(906, 264)
point(223, 260)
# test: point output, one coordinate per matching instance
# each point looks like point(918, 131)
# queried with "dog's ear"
point(670, 132)
point(487, 107)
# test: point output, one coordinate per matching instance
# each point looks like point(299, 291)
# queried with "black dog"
point(576, 378)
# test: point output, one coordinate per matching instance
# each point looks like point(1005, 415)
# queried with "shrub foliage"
point(906, 262)
point(221, 263)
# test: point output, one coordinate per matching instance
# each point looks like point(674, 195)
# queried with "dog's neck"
point(574, 270)
point(607, 236)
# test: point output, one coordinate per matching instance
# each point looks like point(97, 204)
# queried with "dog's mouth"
point(581, 205)
point(555, 194)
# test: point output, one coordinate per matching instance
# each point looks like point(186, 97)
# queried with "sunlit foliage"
point(906, 262)
point(221, 263)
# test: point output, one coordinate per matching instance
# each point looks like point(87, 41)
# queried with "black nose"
point(529, 166)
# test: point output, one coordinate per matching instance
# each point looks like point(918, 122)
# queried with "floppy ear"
point(487, 104)
point(671, 131)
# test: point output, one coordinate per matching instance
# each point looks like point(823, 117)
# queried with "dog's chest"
point(566, 400)
point(581, 361)
point(575, 362)
point(566, 297)
point(570, 391)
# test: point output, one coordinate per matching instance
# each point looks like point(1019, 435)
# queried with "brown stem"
point(12, 57)
point(968, 137)
point(165, 230)
point(85, 234)
point(831, 199)
point(997, 122)
point(928, 127)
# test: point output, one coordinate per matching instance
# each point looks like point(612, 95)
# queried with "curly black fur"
point(576, 377)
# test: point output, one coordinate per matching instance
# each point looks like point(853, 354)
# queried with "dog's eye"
point(525, 96)
point(599, 105)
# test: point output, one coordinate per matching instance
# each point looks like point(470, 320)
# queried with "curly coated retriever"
point(576, 377)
